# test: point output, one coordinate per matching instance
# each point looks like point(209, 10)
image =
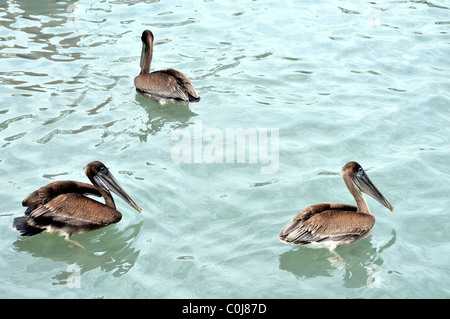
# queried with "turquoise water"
point(319, 83)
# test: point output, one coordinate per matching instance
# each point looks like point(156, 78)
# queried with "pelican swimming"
point(61, 207)
point(332, 225)
point(163, 84)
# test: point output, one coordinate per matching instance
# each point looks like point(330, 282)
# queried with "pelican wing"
point(168, 83)
point(183, 81)
point(160, 84)
point(73, 210)
point(335, 222)
point(52, 190)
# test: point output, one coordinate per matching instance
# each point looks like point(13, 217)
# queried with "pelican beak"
point(109, 183)
point(364, 184)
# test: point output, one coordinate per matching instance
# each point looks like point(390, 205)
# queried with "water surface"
point(338, 81)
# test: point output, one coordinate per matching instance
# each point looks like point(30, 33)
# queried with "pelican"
point(329, 225)
point(163, 84)
point(61, 207)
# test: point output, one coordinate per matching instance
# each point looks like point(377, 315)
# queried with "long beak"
point(108, 183)
point(364, 184)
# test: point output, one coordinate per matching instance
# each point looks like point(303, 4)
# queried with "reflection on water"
point(358, 258)
point(109, 249)
point(175, 115)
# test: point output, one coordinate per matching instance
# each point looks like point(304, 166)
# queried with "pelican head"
point(147, 43)
point(99, 175)
point(362, 182)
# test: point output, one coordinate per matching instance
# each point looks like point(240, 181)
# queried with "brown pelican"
point(333, 225)
point(163, 84)
point(61, 207)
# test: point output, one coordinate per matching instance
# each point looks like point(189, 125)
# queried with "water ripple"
point(341, 80)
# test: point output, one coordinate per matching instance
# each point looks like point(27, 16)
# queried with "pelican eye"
point(103, 170)
point(360, 171)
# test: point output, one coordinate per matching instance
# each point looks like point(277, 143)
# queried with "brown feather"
point(160, 84)
point(52, 190)
point(67, 207)
point(327, 222)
